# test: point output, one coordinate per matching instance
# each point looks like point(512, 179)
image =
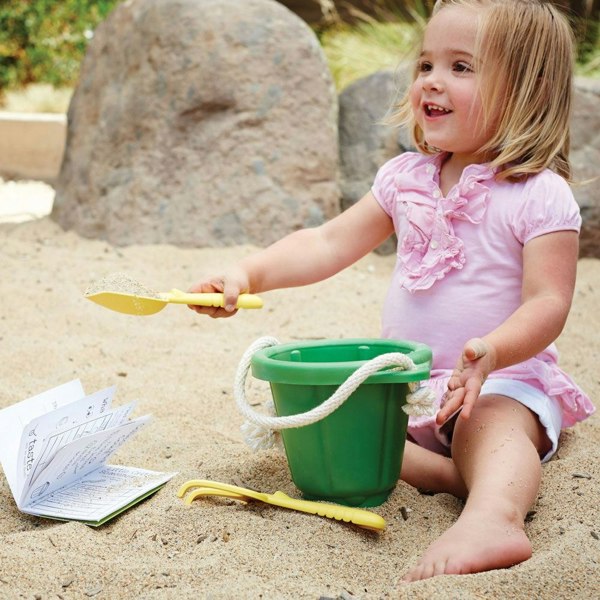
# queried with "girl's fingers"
point(467, 407)
point(218, 283)
point(222, 313)
point(231, 298)
point(472, 390)
point(454, 401)
point(214, 312)
point(207, 286)
point(461, 395)
point(229, 286)
point(475, 348)
point(454, 382)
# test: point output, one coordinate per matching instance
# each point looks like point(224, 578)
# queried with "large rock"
point(200, 122)
point(585, 160)
point(366, 141)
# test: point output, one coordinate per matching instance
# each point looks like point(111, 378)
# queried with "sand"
point(180, 367)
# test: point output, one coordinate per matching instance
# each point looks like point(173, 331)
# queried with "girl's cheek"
point(415, 98)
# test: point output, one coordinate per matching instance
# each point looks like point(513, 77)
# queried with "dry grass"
point(355, 52)
point(37, 98)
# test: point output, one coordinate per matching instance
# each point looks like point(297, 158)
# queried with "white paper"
point(54, 448)
point(78, 458)
point(14, 419)
point(99, 493)
point(50, 442)
point(45, 434)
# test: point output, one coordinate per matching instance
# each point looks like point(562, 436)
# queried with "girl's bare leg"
point(496, 452)
point(427, 470)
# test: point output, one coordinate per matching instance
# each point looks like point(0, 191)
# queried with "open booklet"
point(54, 448)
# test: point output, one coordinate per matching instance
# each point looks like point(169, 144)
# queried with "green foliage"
point(588, 55)
point(45, 40)
point(356, 51)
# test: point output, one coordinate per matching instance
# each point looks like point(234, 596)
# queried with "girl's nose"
point(432, 81)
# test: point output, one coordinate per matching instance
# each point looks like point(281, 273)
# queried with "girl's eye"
point(423, 66)
point(463, 67)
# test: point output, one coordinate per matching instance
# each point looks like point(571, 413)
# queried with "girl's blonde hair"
point(524, 59)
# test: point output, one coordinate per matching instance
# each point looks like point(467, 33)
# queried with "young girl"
point(487, 251)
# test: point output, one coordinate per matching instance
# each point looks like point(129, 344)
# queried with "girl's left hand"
point(475, 364)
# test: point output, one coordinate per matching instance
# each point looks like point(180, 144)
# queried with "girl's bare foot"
point(478, 541)
point(497, 447)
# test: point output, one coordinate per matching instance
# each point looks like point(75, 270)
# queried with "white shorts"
point(439, 438)
point(547, 409)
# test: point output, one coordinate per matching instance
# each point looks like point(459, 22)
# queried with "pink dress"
point(459, 265)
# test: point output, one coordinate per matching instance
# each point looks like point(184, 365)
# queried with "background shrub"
point(44, 41)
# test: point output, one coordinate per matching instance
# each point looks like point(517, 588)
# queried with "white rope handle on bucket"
point(259, 428)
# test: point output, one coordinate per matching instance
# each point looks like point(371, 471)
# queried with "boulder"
point(585, 160)
point(366, 141)
point(200, 123)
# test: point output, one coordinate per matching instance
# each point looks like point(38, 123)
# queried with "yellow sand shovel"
point(121, 293)
point(358, 516)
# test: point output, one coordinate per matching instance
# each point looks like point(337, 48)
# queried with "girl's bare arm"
point(549, 271)
point(305, 256)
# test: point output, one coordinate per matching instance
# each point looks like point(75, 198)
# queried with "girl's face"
point(445, 95)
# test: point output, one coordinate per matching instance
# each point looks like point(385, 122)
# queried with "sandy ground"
point(180, 367)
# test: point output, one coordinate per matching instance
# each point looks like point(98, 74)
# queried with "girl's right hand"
point(231, 284)
point(477, 361)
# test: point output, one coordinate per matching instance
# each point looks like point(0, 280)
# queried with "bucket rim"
point(266, 365)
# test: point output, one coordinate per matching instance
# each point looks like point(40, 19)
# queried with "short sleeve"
point(548, 205)
point(384, 186)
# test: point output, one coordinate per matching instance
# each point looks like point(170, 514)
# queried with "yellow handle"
point(358, 516)
point(205, 491)
point(348, 514)
point(211, 299)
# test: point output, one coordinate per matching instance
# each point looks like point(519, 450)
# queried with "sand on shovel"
point(120, 283)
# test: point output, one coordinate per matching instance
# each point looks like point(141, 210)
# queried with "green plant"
point(44, 40)
point(356, 51)
point(37, 98)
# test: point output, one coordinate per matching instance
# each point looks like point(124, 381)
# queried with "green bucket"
point(354, 455)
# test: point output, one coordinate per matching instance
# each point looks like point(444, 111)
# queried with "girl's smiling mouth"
point(434, 110)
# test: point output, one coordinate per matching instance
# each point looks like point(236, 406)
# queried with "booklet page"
point(54, 448)
point(52, 441)
point(78, 458)
point(106, 490)
point(14, 419)
point(45, 434)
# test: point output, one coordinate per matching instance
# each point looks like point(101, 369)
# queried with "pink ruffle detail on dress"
point(430, 248)
point(554, 382)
